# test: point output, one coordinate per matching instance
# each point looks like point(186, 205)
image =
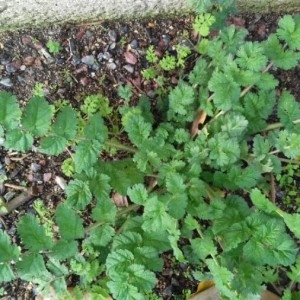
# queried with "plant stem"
point(121, 146)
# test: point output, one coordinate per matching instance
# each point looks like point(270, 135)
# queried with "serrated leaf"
point(155, 216)
point(64, 249)
point(158, 240)
point(105, 211)
point(79, 194)
point(292, 221)
point(294, 274)
point(8, 252)
point(148, 256)
point(285, 59)
point(203, 247)
point(33, 234)
point(101, 235)
point(288, 110)
point(99, 186)
point(32, 268)
point(70, 225)
point(118, 261)
point(251, 57)
point(53, 145)
point(37, 116)
point(95, 129)
point(270, 244)
point(223, 150)
point(137, 128)
point(180, 100)
point(267, 82)
point(6, 273)
point(261, 202)
point(128, 240)
point(18, 140)
point(222, 277)
point(123, 174)
point(65, 124)
point(261, 147)
point(87, 153)
point(288, 143)
point(227, 91)
point(143, 279)
point(138, 194)
point(199, 75)
point(289, 31)
point(10, 112)
point(123, 291)
point(234, 124)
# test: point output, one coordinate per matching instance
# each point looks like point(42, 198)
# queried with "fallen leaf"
point(119, 200)
point(130, 58)
point(204, 285)
point(199, 119)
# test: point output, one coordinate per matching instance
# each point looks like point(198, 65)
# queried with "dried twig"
point(18, 201)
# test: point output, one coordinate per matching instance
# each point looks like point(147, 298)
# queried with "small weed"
point(53, 47)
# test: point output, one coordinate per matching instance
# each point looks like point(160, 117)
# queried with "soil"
point(94, 58)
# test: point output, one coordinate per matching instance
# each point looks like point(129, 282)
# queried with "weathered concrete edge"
point(16, 14)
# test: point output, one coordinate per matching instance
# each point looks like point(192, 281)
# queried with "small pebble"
point(111, 66)
point(106, 55)
point(28, 60)
point(21, 80)
point(10, 68)
point(4, 60)
point(124, 30)
point(100, 56)
point(6, 82)
point(134, 44)
point(112, 46)
point(88, 60)
point(95, 67)
point(129, 68)
point(61, 182)
point(35, 167)
point(9, 195)
point(84, 81)
point(23, 68)
point(112, 35)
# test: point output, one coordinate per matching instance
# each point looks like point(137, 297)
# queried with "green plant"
point(68, 167)
point(197, 190)
point(288, 183)
point(38, 90)
point(53, 47)
point(44, 215)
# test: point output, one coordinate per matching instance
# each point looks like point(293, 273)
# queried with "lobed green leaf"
point(65, 124)
point(37, 116)
point(79, 194)
point(10, 112)
point(18, 140)
point(33, 234)
point(8, 252)
point(70, 225)
point(53, 145)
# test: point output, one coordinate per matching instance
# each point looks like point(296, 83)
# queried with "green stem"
point(278, 125)
point(121, 146)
